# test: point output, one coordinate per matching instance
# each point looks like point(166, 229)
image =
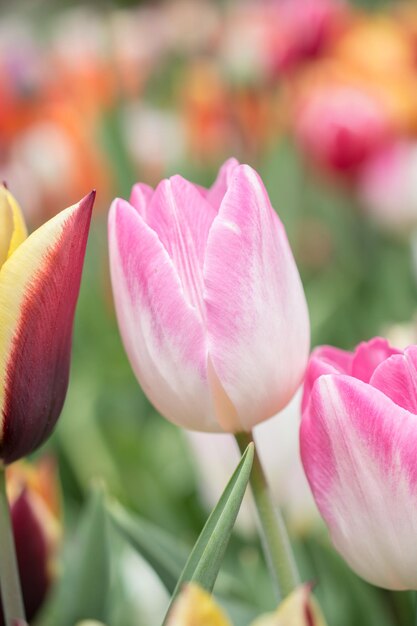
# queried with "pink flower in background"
point(340, 127)
point(303, 30)
point(388, 186)
point(277, 444)
point(358, 446)
point(209, 300)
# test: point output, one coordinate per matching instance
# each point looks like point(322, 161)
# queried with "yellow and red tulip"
point(39, 284)
point(34, 501)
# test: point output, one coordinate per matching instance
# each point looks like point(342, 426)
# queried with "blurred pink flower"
point(388, 186)
point(303, 29)
point(358, 442)
point(341, 126)
point(209, 300)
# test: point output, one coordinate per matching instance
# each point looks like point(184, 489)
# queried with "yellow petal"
point(196, 607)
point(6, 226)
point(299, 609)
point(12, 225)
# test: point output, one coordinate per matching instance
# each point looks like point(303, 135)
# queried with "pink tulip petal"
point(360, 364)
point(368, 355)
point(217, 191)
point(202, 190)
point(325, 360)
point(397, 378)
point(140, 198)
point(182, 219)
point(257, 316)
point(162, 332)
point(358, 450)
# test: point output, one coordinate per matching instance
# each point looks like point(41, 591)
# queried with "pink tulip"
point(209, 301)
point(303, 30)
point(358, 446)
point(340, 127)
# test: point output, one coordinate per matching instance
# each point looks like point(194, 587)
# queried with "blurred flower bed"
point(321, 97)
point(197, 82)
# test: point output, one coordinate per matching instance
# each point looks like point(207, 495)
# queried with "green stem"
point(274, 535)
point(11, 593)
point(415, 608)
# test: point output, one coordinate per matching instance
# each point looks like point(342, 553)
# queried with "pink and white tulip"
point(358, 443)
point(209, 300)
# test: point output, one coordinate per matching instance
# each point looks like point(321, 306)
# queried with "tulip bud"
point(39, 283)
point(298, 609)
point(33, 496)
point(358, 442)
point(209, 300)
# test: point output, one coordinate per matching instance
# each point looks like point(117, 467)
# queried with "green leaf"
point(85, 585)
point(205, 560)
point(165, 555)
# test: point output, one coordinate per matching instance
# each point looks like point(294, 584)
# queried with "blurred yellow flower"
point(196, 607)
point(388, 67)
point(299, 609)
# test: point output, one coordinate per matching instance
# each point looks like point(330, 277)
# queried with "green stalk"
point(275, 541)
point(415, 608)
point(11, 593)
